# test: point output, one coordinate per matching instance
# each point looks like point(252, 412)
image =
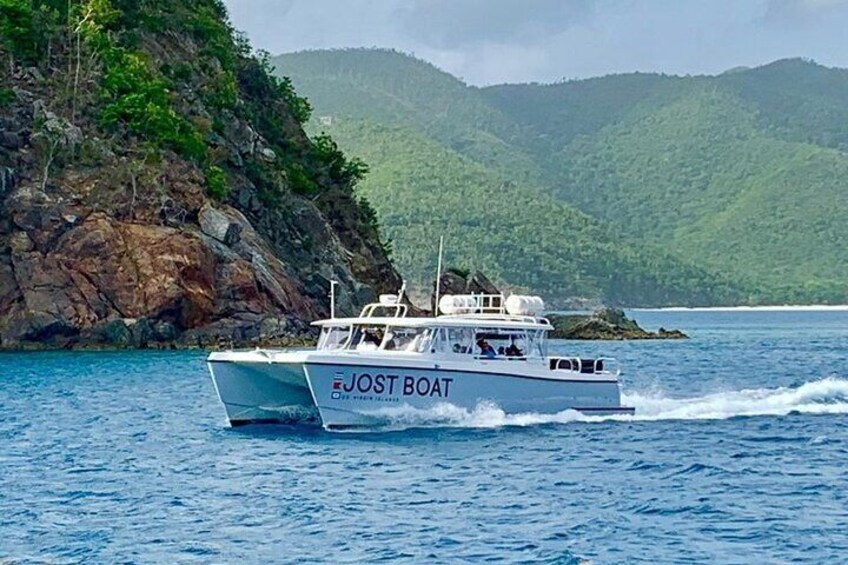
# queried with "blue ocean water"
point(738, 454)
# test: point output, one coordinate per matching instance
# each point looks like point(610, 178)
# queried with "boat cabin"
point(470, 326)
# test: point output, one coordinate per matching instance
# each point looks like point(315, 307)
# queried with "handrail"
point(477, 303)
point(599, 365)
point(486, 303)
point(368, 311)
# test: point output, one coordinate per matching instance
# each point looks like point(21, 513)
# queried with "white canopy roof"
point(458, 321)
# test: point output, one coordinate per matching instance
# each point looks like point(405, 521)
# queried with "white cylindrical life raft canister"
point(518, 305)
point(457, 304)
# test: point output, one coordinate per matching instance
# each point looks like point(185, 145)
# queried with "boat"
point(479, 348)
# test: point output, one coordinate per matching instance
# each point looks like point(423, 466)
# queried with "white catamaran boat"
point(481, 348)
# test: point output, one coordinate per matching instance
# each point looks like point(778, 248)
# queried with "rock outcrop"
point(605, 324)
point(456, 281)
point(109, 241)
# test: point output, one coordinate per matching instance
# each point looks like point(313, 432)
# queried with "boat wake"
point(823, 396)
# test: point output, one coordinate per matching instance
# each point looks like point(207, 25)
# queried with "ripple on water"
point(738, 449)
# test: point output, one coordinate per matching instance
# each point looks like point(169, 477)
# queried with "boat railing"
point(601, 365)
point(393, 310)
point(498, 318)
point(490, 303)
point(458, 304)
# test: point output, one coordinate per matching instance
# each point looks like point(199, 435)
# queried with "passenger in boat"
point(371, 340)
point(390, 342)
point(514, 351)
point(486, 350)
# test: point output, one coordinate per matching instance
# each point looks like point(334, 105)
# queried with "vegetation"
point(7, 96)
point(216, 183)
point(738, 177)
point(105, 59)
point(420, 190)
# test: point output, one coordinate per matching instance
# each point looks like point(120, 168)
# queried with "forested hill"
point(744, 172)
point(738, 177)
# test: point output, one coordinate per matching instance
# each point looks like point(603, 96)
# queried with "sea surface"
point(738, 454)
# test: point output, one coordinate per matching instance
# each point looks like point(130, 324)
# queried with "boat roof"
point(460, 320)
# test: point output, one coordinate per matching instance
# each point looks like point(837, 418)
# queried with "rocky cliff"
point(157, 188)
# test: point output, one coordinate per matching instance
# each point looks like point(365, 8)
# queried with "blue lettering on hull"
point(388, 388)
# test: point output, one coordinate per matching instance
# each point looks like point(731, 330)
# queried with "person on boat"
point(486, 350)
point(371, 340)
point(514, 351)
point(390, 341)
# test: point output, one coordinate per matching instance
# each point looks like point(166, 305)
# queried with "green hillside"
point(744, 172)
point(700, 175)
point(386, 87)
point(741, 175)
point(422, 190)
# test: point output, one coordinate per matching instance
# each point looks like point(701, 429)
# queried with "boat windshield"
point(333, 337)
point(366, 338)
point(417, 340)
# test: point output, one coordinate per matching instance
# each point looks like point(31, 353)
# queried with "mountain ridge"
point(553, 134)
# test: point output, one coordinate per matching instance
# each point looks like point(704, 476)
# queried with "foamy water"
point(823, 396)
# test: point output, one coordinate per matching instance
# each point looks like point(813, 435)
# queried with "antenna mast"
point(439, 276)
point(333, 299)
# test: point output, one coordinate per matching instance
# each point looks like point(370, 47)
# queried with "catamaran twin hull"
point(358, 390)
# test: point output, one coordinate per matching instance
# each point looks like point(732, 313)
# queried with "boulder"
point(478, 283)
point(219, 225)
point(457, 281)
point(268, 154)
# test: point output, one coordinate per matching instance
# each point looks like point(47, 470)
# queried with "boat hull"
point(349, 395)
point(255, 388)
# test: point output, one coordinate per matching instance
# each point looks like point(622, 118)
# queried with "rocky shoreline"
point(608, 324)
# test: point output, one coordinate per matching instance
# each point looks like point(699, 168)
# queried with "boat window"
point(542, 343)
point(407, 339)
point(500, 343)
point(333, 337)
point(536, 343)
point(460, 340)
point(366, 338)
point(440, 342)
point(432, 342)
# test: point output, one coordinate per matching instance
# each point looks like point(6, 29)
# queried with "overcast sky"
point(494, 41)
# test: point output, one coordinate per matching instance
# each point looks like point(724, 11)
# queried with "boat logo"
point(338, 381)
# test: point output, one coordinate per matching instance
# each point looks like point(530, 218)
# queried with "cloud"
point(491, 41)
point(799, 13)
point(452, 24)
